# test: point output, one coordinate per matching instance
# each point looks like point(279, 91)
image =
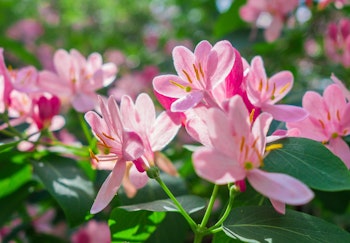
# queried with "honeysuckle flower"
point(337, 42)
point(328, 120)
point(264, 92)
point(268, 14)
point(237, 151)
point(198, 74)
point(156, 132)
point(345, 91)
point(322, 4)
point(119, 146)
point(77, 79)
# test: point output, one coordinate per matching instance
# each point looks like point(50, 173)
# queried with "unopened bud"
point(153, 172)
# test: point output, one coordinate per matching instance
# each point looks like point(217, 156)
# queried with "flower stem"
point(210, 206)
point(190, 221)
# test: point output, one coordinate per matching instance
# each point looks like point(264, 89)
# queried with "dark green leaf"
point(8, 146)
point(264, 224)
point(311, 162)
point(66, 182)
point(133, 226)
point(13, 176)
point(221, 237)
point(190, 203)
point(12, 202)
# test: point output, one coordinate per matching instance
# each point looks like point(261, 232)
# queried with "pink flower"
point(337, 42)
point(328, 120)
point(92, 232)
point(322, 4)
point(155, 132)
point(77, 79)
point(198, 74)
point(265, 92)
point(5, 84)
point(237, 151)
point(26, 30)
point(118, 145)
point(269, 14)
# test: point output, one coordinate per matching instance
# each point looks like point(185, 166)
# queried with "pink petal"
point(282, 82)
point(335, 100)
point(50, 82)
point(187, 102)
point(163, 131)
point(137, 178)
point(239, 116)
point(83, 102)
point(63, 64)
point(162, 84)
point(109, 73)
point(235, 77)
point(183, 61)
point(128, 112)
point(109, 188)
point(274, 30)
point(220, 63)
point(309, 128)
point(259, 130)
point(132, 146)
point(286, 113)
point(146, 111)
point(257, 66)
point(216, 167)
point(340, 148)
point(280, 187)
point(345, 91)
point(314, 104)
point(112, 116)
point(198, 130)
point(278, 206)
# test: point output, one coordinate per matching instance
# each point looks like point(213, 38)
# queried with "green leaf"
point(190, 203)
point(7, 146)
point(13, 176)
point(67, 184)
point(230, 20)
point(11, 203)
point(133, 226)
point(311, 162)
point(221, 237)
point(264, 224)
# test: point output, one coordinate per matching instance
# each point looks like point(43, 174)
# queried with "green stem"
point(85, 128)
point(218, 224)
point(210, 206)
point(190, 221)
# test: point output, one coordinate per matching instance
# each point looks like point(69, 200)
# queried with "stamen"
point(267, 86)
point(107, 136)
point(242, 144)
point(196, 71)
point(338, 115)
point(255, 141)
point(251, 115)
point(248, 165)
point(284, 88)
point(322, 123)
point(201, 70)
point(260, 85)
point(93, 156)
point(273, 147)
point(187, 76)
point(273, 92)
point(328, 116)
point(335, 135)
point(186, 88)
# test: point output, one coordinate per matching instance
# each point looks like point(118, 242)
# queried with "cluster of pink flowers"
point(337, 42)
point(37, 97)
point(268, 14)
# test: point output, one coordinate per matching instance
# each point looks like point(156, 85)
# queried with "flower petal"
point(278, 206)
point(280, 187)
point(183, 61)
point(187, 102)
point(109, 187)
point(340, 148)
point(216, 167)
point(166, 85)
point(286, 113)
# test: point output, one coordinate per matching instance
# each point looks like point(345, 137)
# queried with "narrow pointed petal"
point(235, 77)
point(109, 188)
point(286, 113)
point(216, 167)
point(201, 51)
point(146, 111)
point(278, 206)
point(83, 102)
point(127, 112)
point(340, 148)
point(280, 187)
point(165, 85)
point(282, 82)
point(187, 102)
point(183, 60)
point(163, 131)
point(259, 130)
point(132, 146)
point(309, 100)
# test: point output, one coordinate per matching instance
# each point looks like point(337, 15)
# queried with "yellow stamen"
point(242, 144)
point(107, 136)
point(187, 76)
point(322, 123)
point(260, 86)
point(273, 92)
point(267, 86)
point(196, 71)
point(251, 115)
point(284, 88)
point(338, 115)
point(186, 88)
point(328, 116)
point(273, 147)
point(201, 70)
point(93, 156)
point(335, 135)
point(248, 165)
